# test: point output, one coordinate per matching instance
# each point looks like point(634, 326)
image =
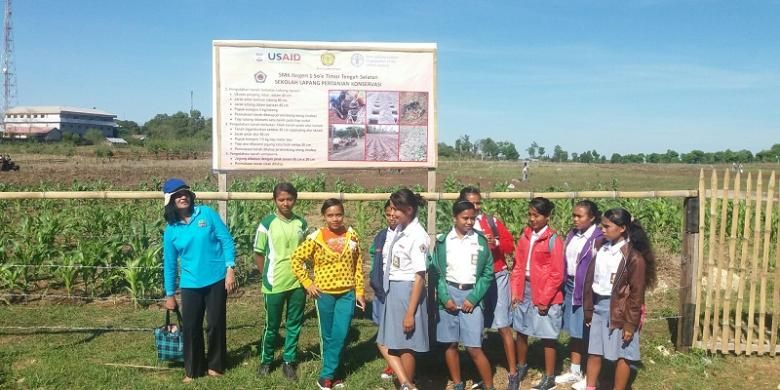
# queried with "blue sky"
point(615, 76)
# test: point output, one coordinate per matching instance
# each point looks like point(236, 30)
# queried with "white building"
point(45, 122)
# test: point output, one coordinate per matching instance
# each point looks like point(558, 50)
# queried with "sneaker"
point(581, 385)
point(289, 371)
point(522, 371)
point(547, 383)
point(407, 386)
point(513, 382)
point(477, 386)
point(264, 369)
point(338, 384)
point(387, 374)
point(325, 384)
point(568, 378)
point(459, 386)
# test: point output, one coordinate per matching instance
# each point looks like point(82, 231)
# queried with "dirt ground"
point(125, 171)
point(382, 147)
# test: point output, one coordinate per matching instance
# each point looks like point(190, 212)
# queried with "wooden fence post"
point(690, 264)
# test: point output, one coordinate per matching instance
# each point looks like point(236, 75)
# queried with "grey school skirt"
point(527, 320)
point(391, 331)
point(609, 342)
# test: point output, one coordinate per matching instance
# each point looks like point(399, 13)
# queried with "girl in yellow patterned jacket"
point(332, 254)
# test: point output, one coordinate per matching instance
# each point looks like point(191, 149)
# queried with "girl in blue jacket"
point(197, 246)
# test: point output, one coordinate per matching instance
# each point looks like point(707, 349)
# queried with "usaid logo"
point(260, 77)
point(284, 57)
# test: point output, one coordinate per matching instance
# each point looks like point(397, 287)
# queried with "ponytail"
point(638, 239)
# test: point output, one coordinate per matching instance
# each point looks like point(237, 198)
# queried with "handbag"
point(169, 339)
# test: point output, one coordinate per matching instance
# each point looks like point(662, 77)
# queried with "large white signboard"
point(301, 105)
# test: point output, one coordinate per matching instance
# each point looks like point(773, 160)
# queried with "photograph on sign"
point(311, 105)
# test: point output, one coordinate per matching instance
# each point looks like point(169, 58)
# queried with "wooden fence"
point(729, 263)
point(734, 276)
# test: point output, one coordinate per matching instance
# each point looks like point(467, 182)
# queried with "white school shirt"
point(389, 238)
point(407, 251)
point(607, 261)
point(534, 236)
point(462, 256)
point(575, 247)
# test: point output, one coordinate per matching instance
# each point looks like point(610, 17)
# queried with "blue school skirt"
point(609, 342)
point(391, 330)
point(460, 327)
point(573, 316)
point(498, 302)
point(527, 320)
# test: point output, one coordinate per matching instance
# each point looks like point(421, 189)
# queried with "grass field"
point(103, 359)
point(66, 358)
point(126, 172)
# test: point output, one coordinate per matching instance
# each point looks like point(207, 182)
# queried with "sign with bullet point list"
point(309, 105)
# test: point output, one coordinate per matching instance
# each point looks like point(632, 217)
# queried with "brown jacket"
point(628, 290)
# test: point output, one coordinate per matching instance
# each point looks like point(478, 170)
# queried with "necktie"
point(386, 276)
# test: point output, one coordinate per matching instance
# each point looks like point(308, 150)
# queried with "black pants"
point(195, 302)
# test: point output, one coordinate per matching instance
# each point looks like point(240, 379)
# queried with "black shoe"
point(522, 371)
point(264, 369)
point(514, 381)
point(289, 371)
point(547, 383)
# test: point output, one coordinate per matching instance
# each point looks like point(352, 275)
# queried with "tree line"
point(183, 131)
point(488, 149)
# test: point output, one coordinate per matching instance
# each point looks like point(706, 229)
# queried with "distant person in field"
point(537, 295)
point(525, 170)
point(578, 254)
point(498, 300)
point(277, 236)
point(404, 327)
point(462, 269)
point(384, 237)
point(614, 295)
point(197, 241)
point(332, 254)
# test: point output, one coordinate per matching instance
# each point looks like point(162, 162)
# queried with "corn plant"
point(142, 273)
point(68, 270)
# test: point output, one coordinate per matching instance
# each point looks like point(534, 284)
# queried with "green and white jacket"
point(438, 270)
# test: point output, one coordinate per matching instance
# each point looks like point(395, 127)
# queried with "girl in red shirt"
point(537, 295)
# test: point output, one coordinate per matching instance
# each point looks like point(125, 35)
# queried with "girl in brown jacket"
point(614, 295)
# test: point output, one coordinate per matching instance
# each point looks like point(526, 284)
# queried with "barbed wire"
point(81, 266)
point(67, 328)
point(113, 298)
point(75, 328)
point(80, 297)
